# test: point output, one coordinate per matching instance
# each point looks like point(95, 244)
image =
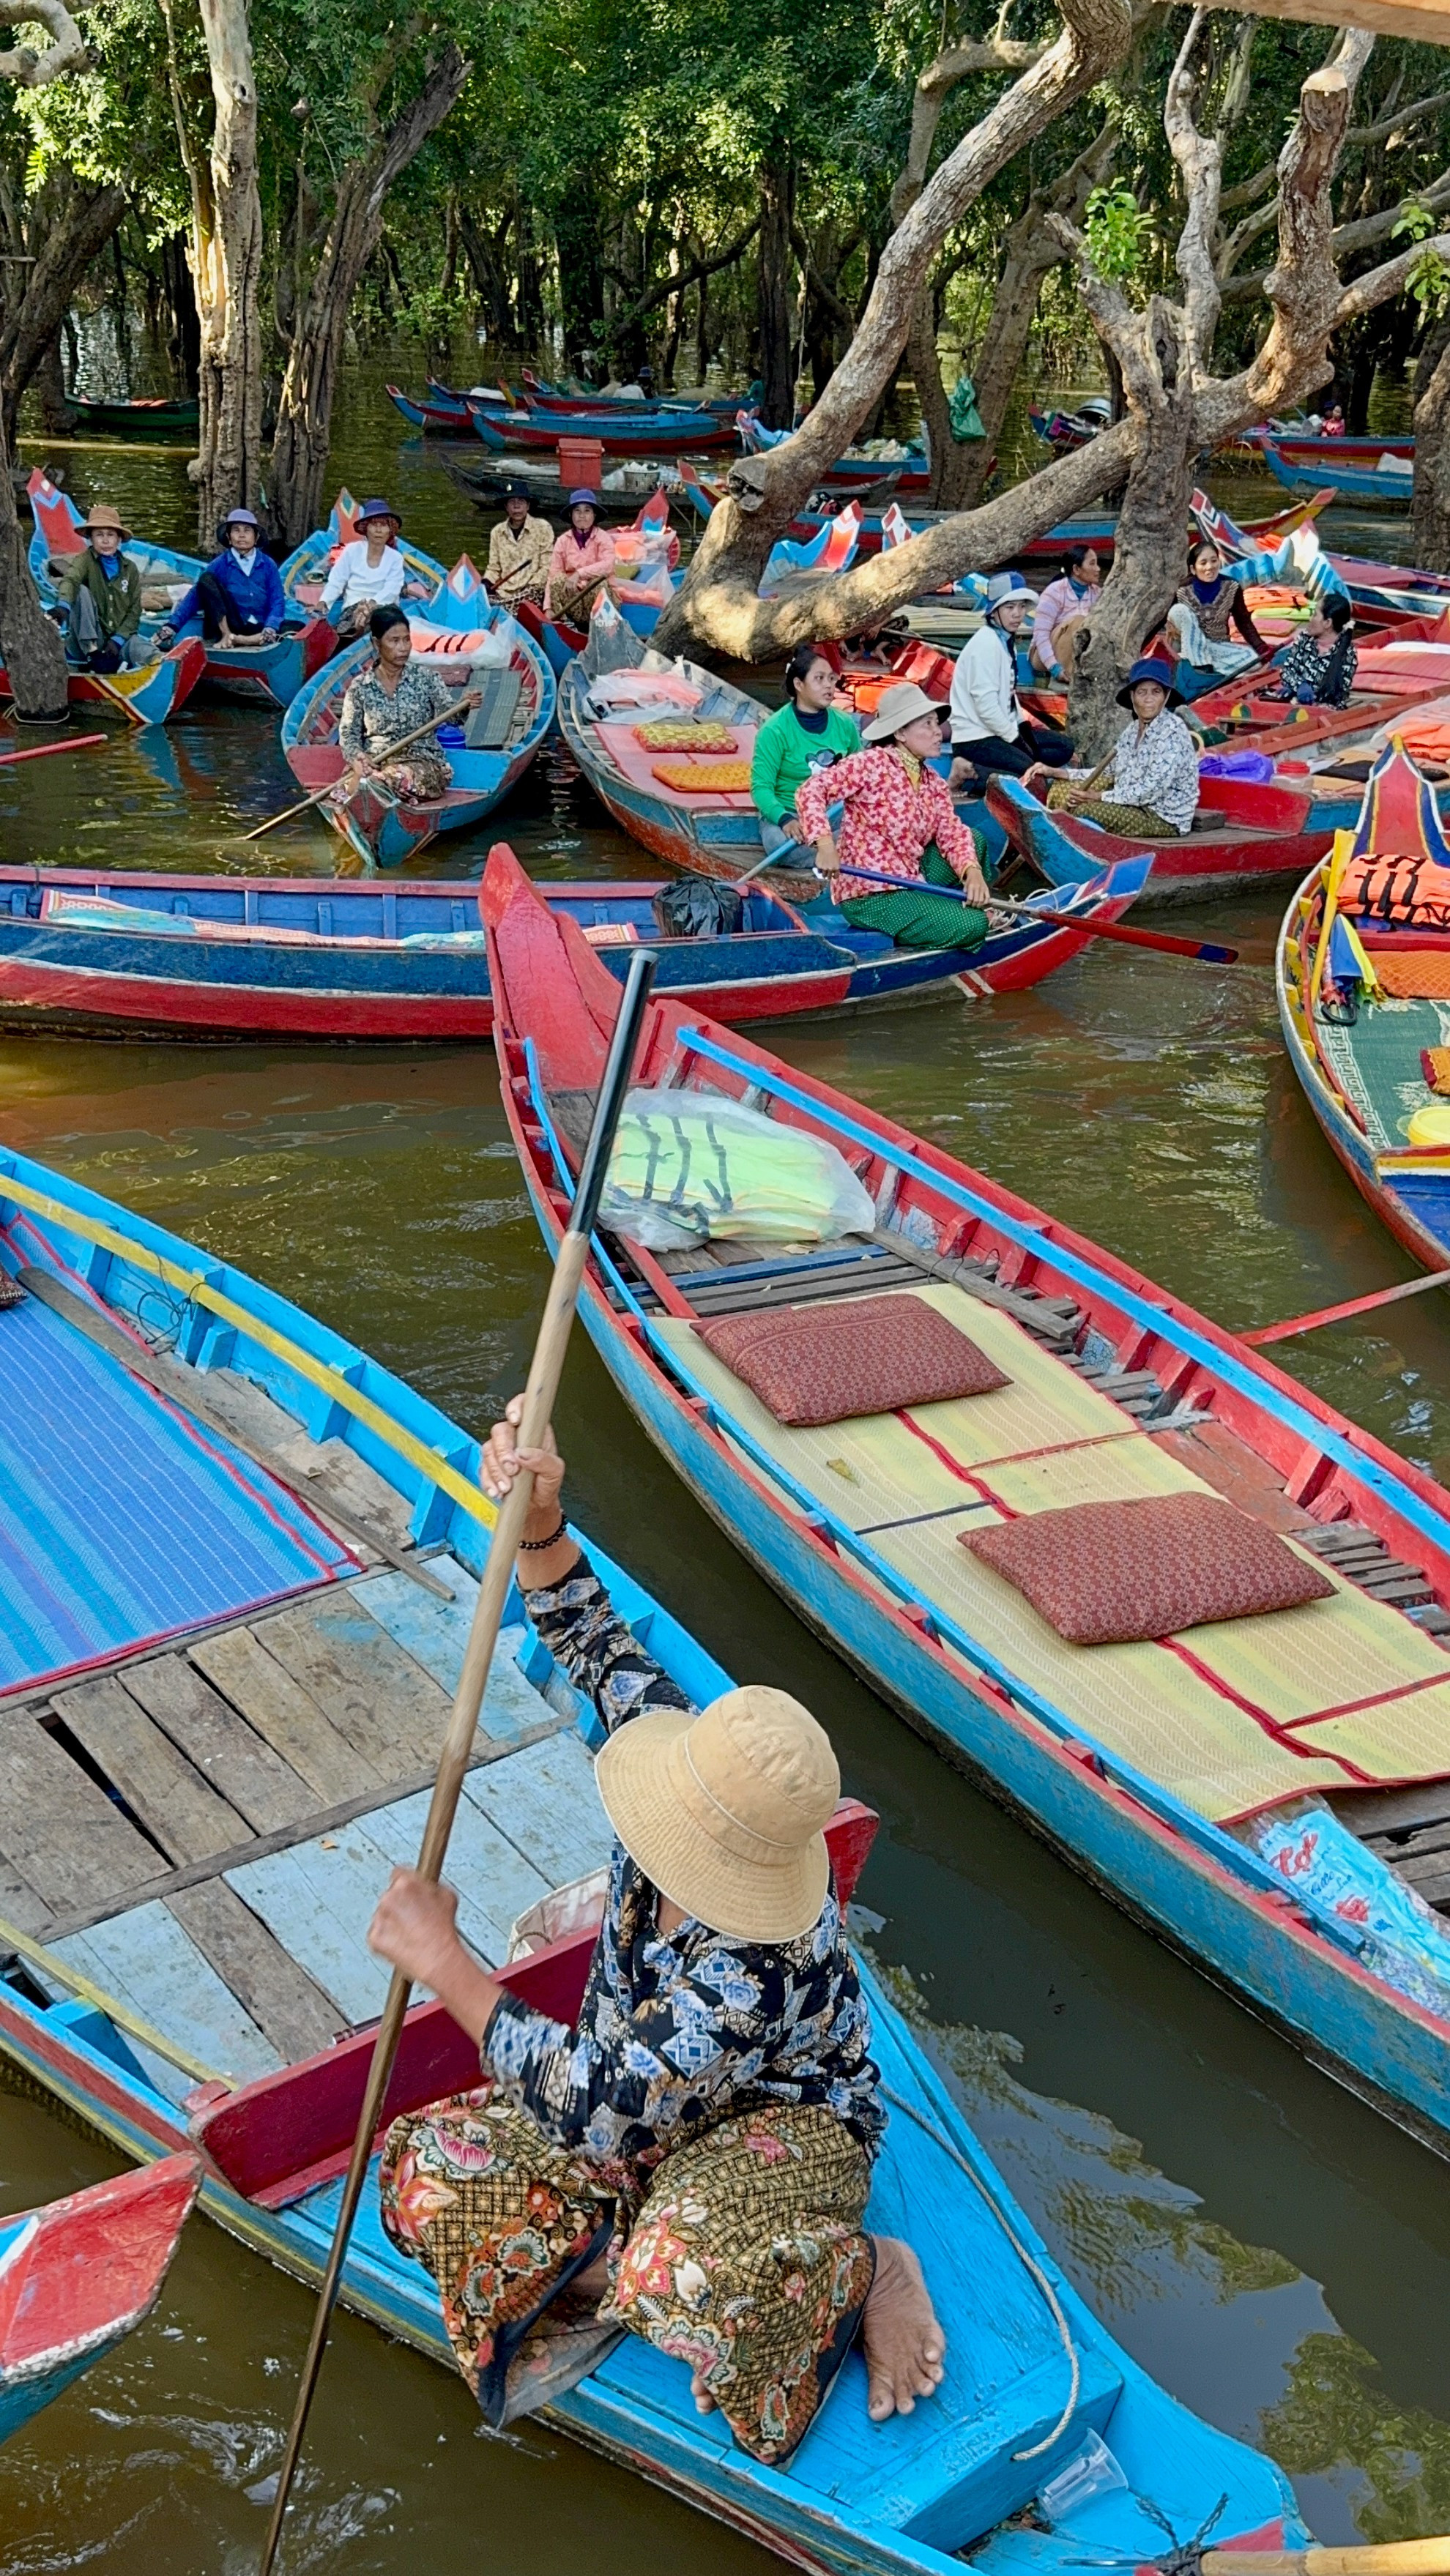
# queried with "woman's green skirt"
point(917, 918)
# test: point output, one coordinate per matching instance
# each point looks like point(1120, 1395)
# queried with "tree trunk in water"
point(49, 385)
point(226, 268)
point(30, 643)
point(1430, 514)
point(69, 241)
point(1148, 549)
point(777, 347)
point(304, 414)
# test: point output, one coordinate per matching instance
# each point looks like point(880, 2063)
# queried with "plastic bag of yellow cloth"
point(695, 1167)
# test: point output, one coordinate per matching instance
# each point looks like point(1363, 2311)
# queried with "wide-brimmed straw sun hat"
point(103, 516)
point(1149, 669)
point(900, 706)
point(724, 1812)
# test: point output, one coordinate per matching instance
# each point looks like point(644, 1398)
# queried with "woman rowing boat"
point(386, 702)
point(692, 2159)
point(899, 822)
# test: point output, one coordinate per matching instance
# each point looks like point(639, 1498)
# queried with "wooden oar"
point(1372, 2558)
point(1204, 949)
point(508, 1529)
point(43, 750)
point(320, 794)
point(1352, 1306)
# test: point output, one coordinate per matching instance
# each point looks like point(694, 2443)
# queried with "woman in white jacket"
point(989, 730)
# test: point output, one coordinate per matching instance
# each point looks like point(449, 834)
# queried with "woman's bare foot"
point(905, 2347)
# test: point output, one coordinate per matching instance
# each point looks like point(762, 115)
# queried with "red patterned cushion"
point(1107, 1574)
point(814, 1364)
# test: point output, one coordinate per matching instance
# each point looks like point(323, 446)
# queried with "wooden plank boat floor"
point(1378, 1063)
point(1255, 1710)
point(121, 1520)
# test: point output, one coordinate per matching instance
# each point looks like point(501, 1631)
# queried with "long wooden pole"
point(539, 1394)
point(1206, 950)
point(320, 794)
point(1352, 1306)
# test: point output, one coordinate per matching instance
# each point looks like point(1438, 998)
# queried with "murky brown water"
point(1274, 2253)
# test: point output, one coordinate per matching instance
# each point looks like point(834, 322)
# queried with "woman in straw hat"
point(99, 590)
point(899, 822)
point(692, 2160)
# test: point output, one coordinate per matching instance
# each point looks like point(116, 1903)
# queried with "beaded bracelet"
point(527, 1546)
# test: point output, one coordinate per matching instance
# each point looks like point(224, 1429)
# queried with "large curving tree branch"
point(66, 51)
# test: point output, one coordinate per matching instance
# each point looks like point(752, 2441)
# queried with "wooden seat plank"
point(545, 1801)
point(494, 1881)
point(58, 1829)
point(240, 1765)
point(279, 1996)
point(285, 1714)
point(19, 1903)
point(318, 1899)
point(375, 1693)
point(316, 1469)
point(435, 1634)
point(145, 1959)
point(175, 1804)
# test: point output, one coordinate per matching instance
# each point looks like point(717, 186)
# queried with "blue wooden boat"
point(1391, 484)
point(87, 953)
point(216, 1985)
point(270, 673)
point(446, 417)
point(1149, 1766)
point(80, 2275)
point(633, 433)
point(463, 633)
point(1362, 1064)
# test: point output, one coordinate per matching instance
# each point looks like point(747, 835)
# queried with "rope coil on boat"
point(1028, 2261)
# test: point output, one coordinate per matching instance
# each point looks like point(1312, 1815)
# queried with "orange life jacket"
point(1397, 890)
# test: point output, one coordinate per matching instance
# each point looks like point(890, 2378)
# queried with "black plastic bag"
point(699, 908)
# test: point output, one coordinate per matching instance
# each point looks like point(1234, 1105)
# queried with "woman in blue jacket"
point(239, 598)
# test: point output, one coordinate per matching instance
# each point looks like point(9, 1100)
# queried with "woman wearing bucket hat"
point(899, 821)
point(1153, 766)
point(370, 572)
point(99, 590)
point(582, 558)
point(989, 730)
point(693, 2158)
point(239, 598)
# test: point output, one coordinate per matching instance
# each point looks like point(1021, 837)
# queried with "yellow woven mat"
point(703, 777)
point(1182, 1728)
point(685, 733)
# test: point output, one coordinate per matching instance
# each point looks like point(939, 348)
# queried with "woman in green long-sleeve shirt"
point(809, 733)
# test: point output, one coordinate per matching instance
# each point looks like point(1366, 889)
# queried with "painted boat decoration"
point(87, 953)
point(466, 635)
point(80, 2275)
point(1365, 1053)
point(1390, 483)
point(270, 1977)
point(147, 697)
point(306, 568)
point(446, 418)
point(1148, 1766)
point(637, 434)
point(1243, 832)
point(154, 416)
point(266, 672)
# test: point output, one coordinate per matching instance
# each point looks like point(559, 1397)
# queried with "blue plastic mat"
point(119, 1522)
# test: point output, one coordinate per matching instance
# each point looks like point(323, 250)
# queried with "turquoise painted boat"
point(476, 644)
point(291, 1486)
point(1148, 1764)
point(80, 2275)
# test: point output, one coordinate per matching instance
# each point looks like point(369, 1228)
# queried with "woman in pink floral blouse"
point(899, 822)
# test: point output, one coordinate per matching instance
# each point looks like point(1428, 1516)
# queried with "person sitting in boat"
point(1153, 766)
point(518, 552)
point(1318, 669)
point(239, 598)
point(811, 732)
point(392, 698)
point(1332, 425)
point(1063, 609)
point(989, 730)
point(694, 2156)
point(370, 572)
point(99, 602)
point(879, 643)
point(1208, 603)
point(582, 558)
point(899, 822)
